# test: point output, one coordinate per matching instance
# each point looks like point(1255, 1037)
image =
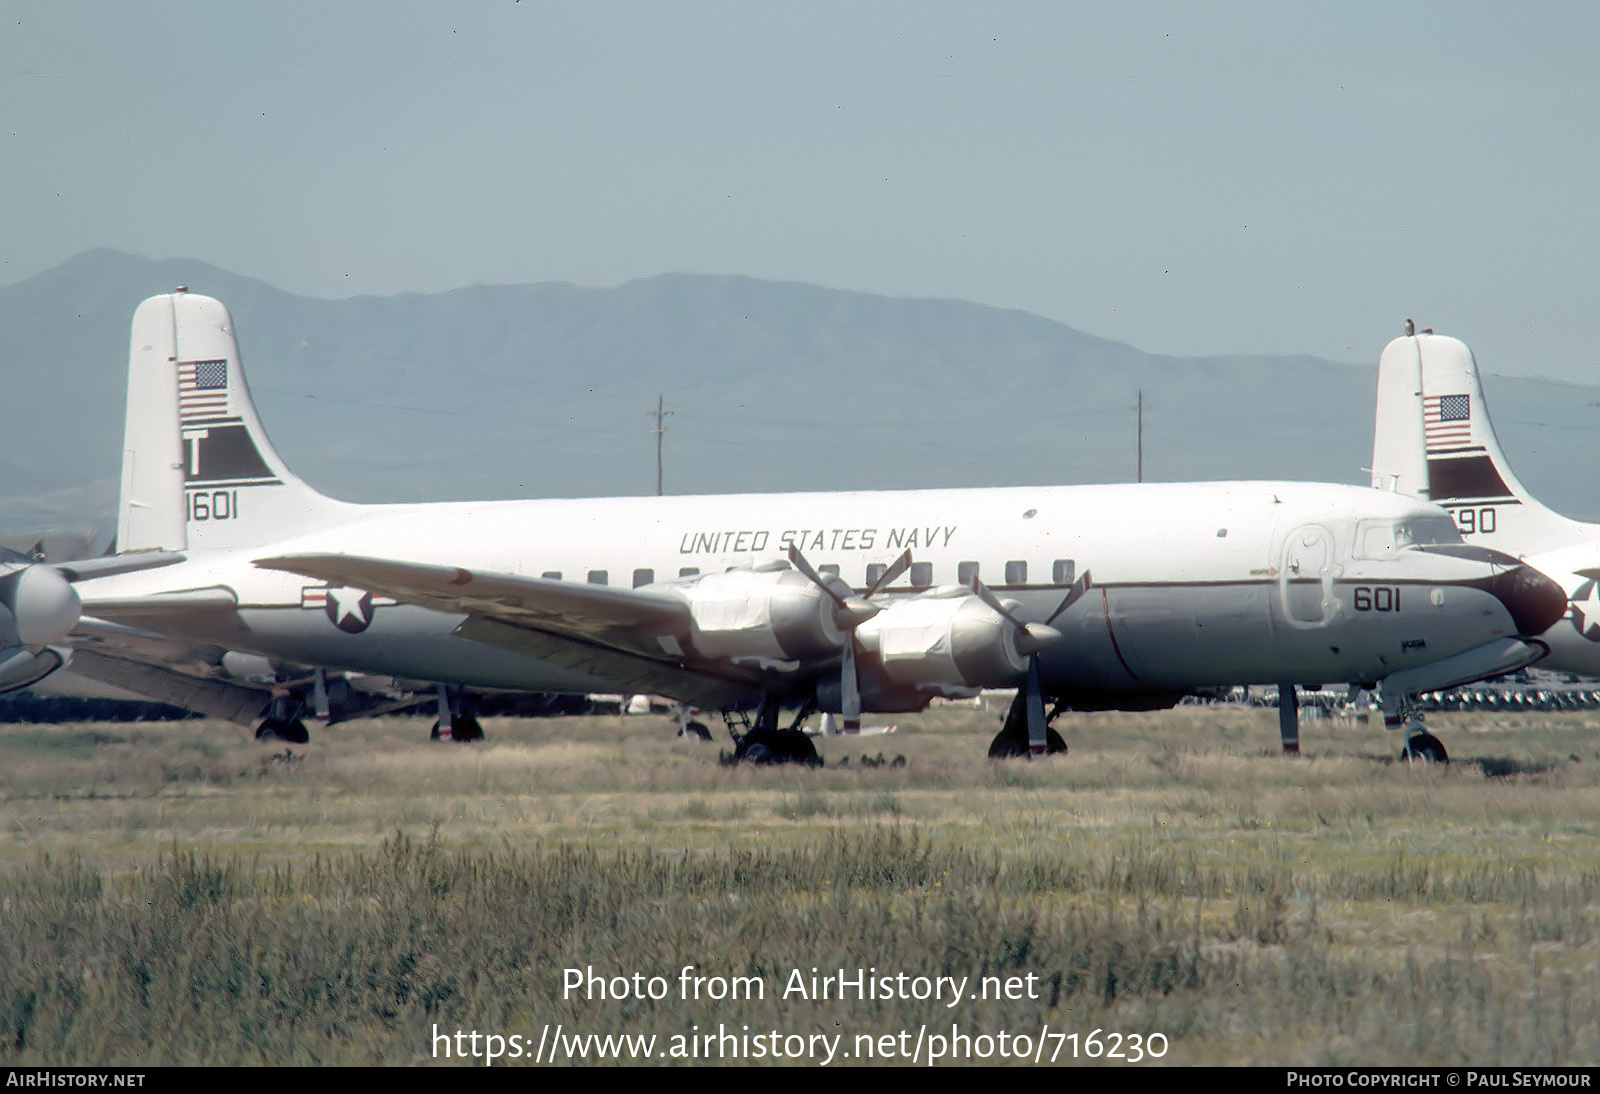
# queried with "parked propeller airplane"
point(839, 602)
point(1433, 439)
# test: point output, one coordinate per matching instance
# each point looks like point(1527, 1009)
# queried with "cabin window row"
point(921, 574)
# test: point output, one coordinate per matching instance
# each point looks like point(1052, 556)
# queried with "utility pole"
point(1141, 408)
point(659, 431)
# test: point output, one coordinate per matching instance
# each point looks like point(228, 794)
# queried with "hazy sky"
point(1189, 178)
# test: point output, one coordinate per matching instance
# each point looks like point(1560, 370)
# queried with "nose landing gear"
point(1421, 746)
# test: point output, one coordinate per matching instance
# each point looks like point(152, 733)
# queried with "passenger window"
point(966, 571)
point(643, 577)
point(1063, 571)
point(921, 575)
point(689, 571)
point(599, 577)
point(829, 568)
point(552, 575)
point(1016, 573)
point(874, 572)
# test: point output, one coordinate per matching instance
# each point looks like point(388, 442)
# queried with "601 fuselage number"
point(213, 504)
point(1377, 598)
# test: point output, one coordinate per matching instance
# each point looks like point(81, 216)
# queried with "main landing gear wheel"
point(1424, 748)
point(464, 728)
point(1006, 746)
point(777, 746)
point(1012, 741)
point(291, 730)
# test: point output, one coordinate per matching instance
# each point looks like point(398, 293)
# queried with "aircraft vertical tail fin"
point(1399, 459)
point(1433, 431)
point(197, 468)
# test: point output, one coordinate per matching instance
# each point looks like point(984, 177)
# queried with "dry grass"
point(179, 893)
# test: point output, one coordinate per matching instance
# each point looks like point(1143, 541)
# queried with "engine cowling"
point(944, 637)
point(38, 606)
point(21, 667)
point(774, 614)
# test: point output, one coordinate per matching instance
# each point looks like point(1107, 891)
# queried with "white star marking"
point(347, 603)
point(1586, 612)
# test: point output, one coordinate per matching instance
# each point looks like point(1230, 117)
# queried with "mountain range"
point(550, 390)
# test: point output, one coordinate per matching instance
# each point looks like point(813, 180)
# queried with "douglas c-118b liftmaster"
point(836, 602)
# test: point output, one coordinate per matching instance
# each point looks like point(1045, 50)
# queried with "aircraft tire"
point(1007, 747)
point(1424, 748)
point(467, 729)
point(798, 749)
point(294, 732)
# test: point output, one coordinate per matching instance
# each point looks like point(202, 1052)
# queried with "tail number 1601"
point(213, 504)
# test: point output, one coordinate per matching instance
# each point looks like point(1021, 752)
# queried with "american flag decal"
point(1447, 420)
point(202, 389)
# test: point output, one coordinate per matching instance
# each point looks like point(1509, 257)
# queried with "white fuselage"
point(1195, 585)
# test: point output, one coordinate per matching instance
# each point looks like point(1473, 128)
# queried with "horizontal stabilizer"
point(85, 569)
point(231, 702)
point(214, 599)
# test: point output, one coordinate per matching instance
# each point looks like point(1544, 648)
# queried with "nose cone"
point(1534, 601)
point(42, 605)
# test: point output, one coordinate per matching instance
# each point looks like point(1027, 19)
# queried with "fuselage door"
point(1306, 572)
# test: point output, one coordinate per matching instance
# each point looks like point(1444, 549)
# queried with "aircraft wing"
point(623, 638)
point(172, 671)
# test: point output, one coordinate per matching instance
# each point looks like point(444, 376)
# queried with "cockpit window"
point(1423, 531)
point(1384, 538)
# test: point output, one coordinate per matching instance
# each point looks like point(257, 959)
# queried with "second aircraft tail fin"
point(1433, 439)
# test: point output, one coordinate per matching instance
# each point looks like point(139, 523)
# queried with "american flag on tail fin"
point(202, 389)
point(1447, 420)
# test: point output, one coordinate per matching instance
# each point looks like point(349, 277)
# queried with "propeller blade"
point(887, 578)
point(1031, 637)
point(1074, 594)
point(849, 612)
point(849, 691)
point(994, 602)
point(799, 562)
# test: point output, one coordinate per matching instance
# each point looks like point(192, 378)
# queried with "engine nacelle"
point(20, 667)
point(944, 637)
point(37, 606)
point(774, 614)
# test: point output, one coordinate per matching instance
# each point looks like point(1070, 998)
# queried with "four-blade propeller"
point(850, 613)
point(1030, 637)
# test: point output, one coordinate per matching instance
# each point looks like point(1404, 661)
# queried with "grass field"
point(178, 893)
